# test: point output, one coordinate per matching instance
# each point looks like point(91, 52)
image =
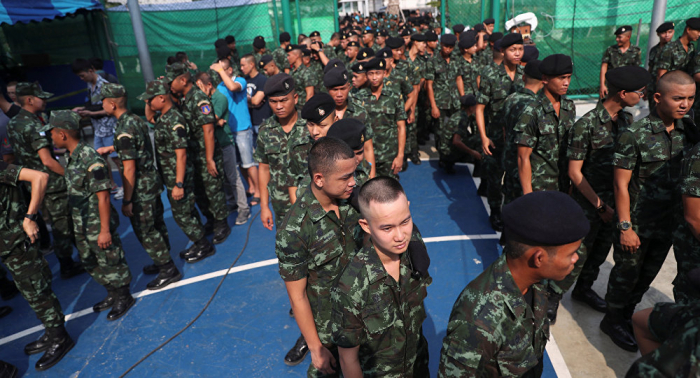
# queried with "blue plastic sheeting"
point(14, 11)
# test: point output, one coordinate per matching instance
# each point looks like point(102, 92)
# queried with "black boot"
point(108, 302)
point(615, 325)
point(553, 306)
point(4, 311)
point(583, 293)
point(221, 231)
point(7, 370)
point(167, 275)
point(38, 346)
point(415, 158)
point(188, 251)
point(495, 220)
point(122, 303)
point(404, 167)
point(202, 249)
point(477, 169)
point(481, 191)
point(209, 227)
point(151, 269)
point(61, 343)
point(8, 289)
point(298, 352)
point(70, 268)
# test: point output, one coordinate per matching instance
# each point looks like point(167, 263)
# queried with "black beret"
point(530, 53)
point(467, 100)
point(279, 85)
point(457, 29)
point(467, 40)
point(285, 37)
point(384, 53)
point(291, 47)
point(219, 42)
point(349, 130)
point(418, 37)
point(259, 42)
point(532, 69)
point(693, 23)
point(353, 44)
point(623, 29)
point(315, 33)
point(264, 60)
point(511, 39)
point(230, 39)
point(333, 63)
point(306, 52)
point(335, 77)
point(495, 36)
point(548, 218)
point(405, 32)
point(382, 33)
point(497, 45)
point(223, 52)
point(368, 31)
point(365, 53)
point(359, 67)
point(318, 107)
point(430, 36)
point(395, 42)
point(344, 36)
point(489, 21)
point(556, 64)
point(628, 78)
point(448, 39)
point(666, 26)
point(376, 64)
point(479, 27)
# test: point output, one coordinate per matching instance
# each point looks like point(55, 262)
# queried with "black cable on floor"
point(247, 237)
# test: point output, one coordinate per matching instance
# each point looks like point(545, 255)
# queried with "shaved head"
point(671, 79)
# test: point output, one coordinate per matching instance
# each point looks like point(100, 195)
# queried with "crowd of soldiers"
point(345, 118)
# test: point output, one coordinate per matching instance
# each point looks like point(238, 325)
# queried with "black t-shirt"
point(255, 85)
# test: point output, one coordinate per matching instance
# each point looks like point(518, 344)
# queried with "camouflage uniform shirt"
point(132, 142)
point(495, 86)
point(198, 111)
point(513, 107)
point(615, 58)
point(303, 78)
point(685, 245)
point(470, 72)
point(674, 57)
point(170, 134)
point(12, 208)
point(384, 113)
point(444, 76)
point(280, 58)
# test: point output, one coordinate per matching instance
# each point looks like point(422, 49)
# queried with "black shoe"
point(553, 306)
point(616, 328)
point(8, 289)
point(221, 231)
point(70, 268)
point(106, 303)
point(298, 352)
point(588, 296)
point(477, 169)
point(415, 158)
point(496, 222)
point(38, 346)
point(209, 227)
point(122, 304)
point(167, 275)
point(404, 167)
point(291, 313)
point(150, 269)
point(187, 251)
point(202, 250)
point(481, 191)
point(4, 311)
point(61, 343)
point(7, 370)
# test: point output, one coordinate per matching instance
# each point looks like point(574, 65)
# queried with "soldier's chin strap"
point(245, 245)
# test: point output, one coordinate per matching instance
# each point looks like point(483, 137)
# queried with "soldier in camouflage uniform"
point(351, 54)
point(590, 153)
point(462, 144)
point(686, 247)
point(95, 220)
point(387, 117)
point(469, 70)
point(497, 82)
point(204, 150)
point(304, 79)
point(142, 186)
point(416, 67)
point(665, 33)
point(35, 151)
point(619, 55)
point(171, 143)
point(280, 53)
point(20, 253)
point(647, 165)
point(315, 243)
point(677, 55)
point(378, 309)
point(498, 326)
point(259, 48)
point(352, 132)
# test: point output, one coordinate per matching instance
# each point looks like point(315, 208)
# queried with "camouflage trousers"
point(684, 291)
point(443, 141)
point(209, 190)
point(150, 229)
point(56, 205)
point(106, 266)
point(492, 169)
point(185, 215)
point(633, 273)
point(280, 206)
point(593, 250)
point(383, 168)
point(511, 185)
point(411, 139)
point(32, 276)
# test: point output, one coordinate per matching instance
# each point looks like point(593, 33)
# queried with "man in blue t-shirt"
point(259, 111)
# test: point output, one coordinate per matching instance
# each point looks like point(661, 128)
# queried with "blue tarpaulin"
point(24, 11)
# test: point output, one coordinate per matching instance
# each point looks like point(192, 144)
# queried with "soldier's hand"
point(104, 240)
point(397, 164)
point(630, 241)
point(127, 210)
point(608, 215)
point(266, 217)
point(178, 193)
point(216, 67)
point(476, 155)
point(435, 112)
point(411, 116)
point(603, 91)
point(211, 167)
point(323, 360)
point(191, 65)
point(31, 229)
point(105, 150)
point(486, 145)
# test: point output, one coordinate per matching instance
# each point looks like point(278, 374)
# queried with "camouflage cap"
point(31, 89)
point(155, 88)
point(174, 70)
point(63, 119)
point(112, 90)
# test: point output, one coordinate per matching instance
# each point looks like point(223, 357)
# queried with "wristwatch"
point(32, 217)
point(624, 225)
point(179, 185)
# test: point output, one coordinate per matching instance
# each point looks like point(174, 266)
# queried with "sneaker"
point(119, 194)
point(243, 217)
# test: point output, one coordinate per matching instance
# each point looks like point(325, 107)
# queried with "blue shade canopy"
point(24, 11)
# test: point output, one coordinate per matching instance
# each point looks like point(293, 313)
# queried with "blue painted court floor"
point(246, 331)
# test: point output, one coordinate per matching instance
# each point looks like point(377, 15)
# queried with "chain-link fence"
point(582, 29)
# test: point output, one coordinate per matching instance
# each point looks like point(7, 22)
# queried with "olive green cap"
point(174, 70)
point(31, 89)
point(112, 90)
point(63, 119)
point(155, 88)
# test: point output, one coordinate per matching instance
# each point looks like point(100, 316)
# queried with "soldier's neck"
point(685, 40)
point(288, 122)
point(326, 202)
point(166, 107)
point(187, 89)
point(523, 275)
point(613, 106)
point(119, 112)
point(71, 144)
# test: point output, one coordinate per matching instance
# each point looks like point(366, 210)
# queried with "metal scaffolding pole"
point(443, 16)
point(286, 17)
point(141, 44)
point(658, 14)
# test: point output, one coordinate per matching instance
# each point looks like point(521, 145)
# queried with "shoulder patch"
point(95, 166)
point(178, 126)
point(205, 109)
point(203, 102)
point(124, 135)
point(180, 130)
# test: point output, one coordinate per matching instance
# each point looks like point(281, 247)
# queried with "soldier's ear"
point(538, 257)
point(318, 179)
point(365, 226)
